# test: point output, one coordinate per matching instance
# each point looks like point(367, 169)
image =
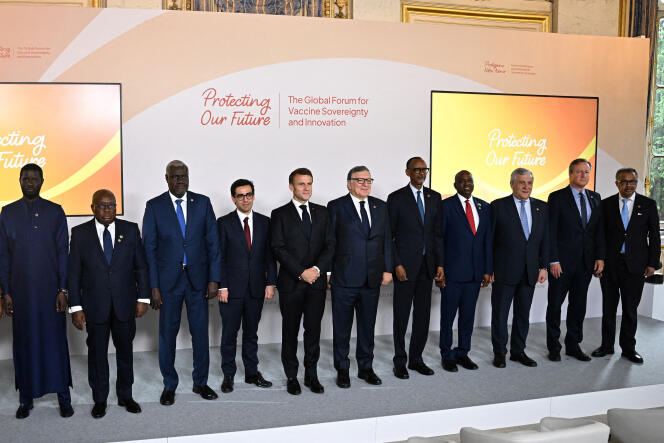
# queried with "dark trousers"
point(462, 297)
point(501, 298)
point(624, 286)
point(574, 281)
point(415, 292)
point(169, 326)
point(123, 333)
point(363, 302)
point(247, 311)
point(305, 304)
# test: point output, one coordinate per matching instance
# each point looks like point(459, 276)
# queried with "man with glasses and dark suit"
point(362, 264)
point(303, 243)
point(248, 276)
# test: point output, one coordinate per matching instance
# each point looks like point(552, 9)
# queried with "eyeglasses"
point(420, 170)
point(110, 206)
point(628, 182)
point(247, 196)
point(362, 181)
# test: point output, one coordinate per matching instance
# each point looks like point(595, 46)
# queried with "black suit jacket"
point(95, 285)
point(294, 251)
point(409, 234)
point(571, 244)
point(512, 253)
point(642, 241)
point(359, 259)
point(244, 271)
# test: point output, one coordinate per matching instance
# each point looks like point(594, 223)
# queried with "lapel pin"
point(374, 206)
point(428, 195)
point(36, 214)
point(638, 213)
point(192, 200)
point(638, 206)
point(537, 209)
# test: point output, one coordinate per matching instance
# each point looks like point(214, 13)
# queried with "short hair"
point(626, 171)
point(31, 167)
point(463, 171)
point(355, 169)
point(520, 171)
point(576, 162)
point(176, 164)
point(412, 159)
point(99, 192)
point(299, 171)
point(241, 182)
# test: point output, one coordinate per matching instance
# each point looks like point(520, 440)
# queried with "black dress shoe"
point(343, 379)
point(466, 363)
point(602, 352)
point(421, 368)
point(401, 372)
point(130, 405)
point(313, 384)
point(23, 411)
point(227, 384)
point(450, 366)
point(205, 392)
point(554, 355)
point(499, 360)
point(523, 359)
point(369, 376)
point(258, 380)
point(578, 354)
point(167, 397)
point(293, 386)
point(66, 410)
point(98, 410)
point(633, 356)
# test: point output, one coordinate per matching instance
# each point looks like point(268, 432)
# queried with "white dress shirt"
point(356, 202)
point(250, 222)
point(476, 216)
point(630, 205)
point(529, 214)
point(183, 204)
point(299, 210)
point(415, 191)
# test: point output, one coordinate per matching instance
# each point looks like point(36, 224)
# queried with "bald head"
point(104, 206)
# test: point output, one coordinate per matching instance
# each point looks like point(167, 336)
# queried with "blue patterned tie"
point(524, 219)
point(420, 206)
point(108, 245)
point(364, 219)
point(183, 225)
point(584, 210)
point(624, 214)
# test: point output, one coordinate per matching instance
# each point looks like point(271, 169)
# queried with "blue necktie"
point(364, 219)
point(420, 206)
point(584, 210)
point(183, 225)
point(524, 219)
point(306, 221)
point(108, 245)
point(624, 214)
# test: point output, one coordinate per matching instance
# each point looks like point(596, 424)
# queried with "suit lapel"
point(480, 215)
point(461, 212)
point(413, 203)
point(238, 226)
point(349, 207)
point(94, 237)
point(120, 235)
point(294, 213)
point(192, 206)
point(170, 209)
point(374, 214)
point(572, 202)
point(517, 217)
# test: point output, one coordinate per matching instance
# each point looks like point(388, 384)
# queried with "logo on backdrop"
point(515, 150)
point(231, 110)
point(17, 149)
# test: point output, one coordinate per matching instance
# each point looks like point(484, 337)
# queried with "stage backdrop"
point(251, 96)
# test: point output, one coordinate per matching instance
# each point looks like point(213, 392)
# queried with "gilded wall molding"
point(421, 12)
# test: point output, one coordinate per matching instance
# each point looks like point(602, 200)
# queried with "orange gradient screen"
point(490, 135)
point(72, 131)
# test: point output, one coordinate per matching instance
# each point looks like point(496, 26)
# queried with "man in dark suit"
point(468, 265)
point(362, 263)
point(417, 254)
point(108, 287)
point(520, 254)
point(248, 276)
point(182, 249)
point(631, 228)
point(302, 241)
point(576, 252)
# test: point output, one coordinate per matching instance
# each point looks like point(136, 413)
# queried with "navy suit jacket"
point(512, 253)
point(243, 271)
point(642, 241)
point(97, 286)
point(359, 259)
point(571, 244)
point(467, 257)
point(295, 251)
point(410, 235)
point(165, 246)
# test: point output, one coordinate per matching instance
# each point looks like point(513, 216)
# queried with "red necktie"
point(469, 216)
point(247, 232)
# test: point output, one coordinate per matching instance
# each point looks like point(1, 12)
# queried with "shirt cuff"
point(317, 269)
point(144, 300)
point(75, 309)
point(554, 263)
point(223, 289)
